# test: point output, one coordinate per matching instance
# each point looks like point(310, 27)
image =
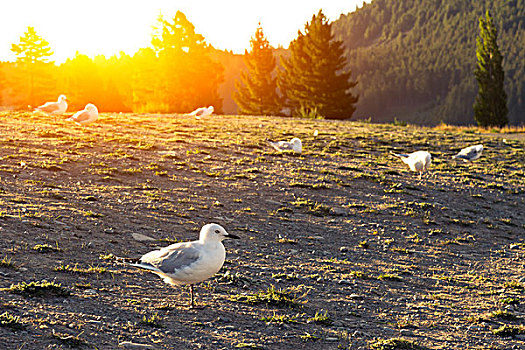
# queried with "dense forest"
point(415, 59)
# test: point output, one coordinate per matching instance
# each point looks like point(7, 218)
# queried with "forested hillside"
point(414, 59)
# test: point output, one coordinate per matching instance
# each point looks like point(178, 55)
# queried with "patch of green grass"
point(7, 262)
point(287, 240)
point(308, 336)
point(39, 289)
point(363, 244)
point(272, 296)
point(389, 277)
point(503, 315)
point(46, 248)
point(313, 207)
point(236, 279)
point(400, 250)
point(396, 344)
point(315, 186)
point(107, 256)
point(152, 321)
point(510, 301)
point(281, 210)
point(285, 276)
point(75, 269)
point(321, 318)
point(357, 274)
point(513, 285)
point(91, 214)
point(280, 319)
point(509, 330)
point(10, 321)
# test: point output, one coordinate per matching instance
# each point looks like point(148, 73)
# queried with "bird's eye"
point(217, 231)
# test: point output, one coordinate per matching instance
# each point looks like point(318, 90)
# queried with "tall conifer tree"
point(32, 58)
point(490, 107)
point(257, 90)
point(315, 77)
point(190, 78)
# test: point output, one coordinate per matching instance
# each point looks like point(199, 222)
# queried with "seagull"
point(469, 153)
point(202, 112)
point(189, 262)
point(292, 145)
point(88, 115)
point(416, 161)
point(58, 107)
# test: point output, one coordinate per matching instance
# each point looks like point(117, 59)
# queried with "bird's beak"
point(229, 235)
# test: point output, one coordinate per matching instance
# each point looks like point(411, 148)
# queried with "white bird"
point(294, 144)
point(189, 262)
point(469, 153)
point(202, 112)
point(88, 115)
point(58, 107)
point(417, 161)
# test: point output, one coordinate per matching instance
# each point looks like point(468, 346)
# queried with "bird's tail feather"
point(273, 144)
point(460, 156)
point(400, 155)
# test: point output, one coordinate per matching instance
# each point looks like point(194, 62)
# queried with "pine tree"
point(490, 107)
point(315, 77)
point(257, 91)
point(33, 53)
point(190, 78)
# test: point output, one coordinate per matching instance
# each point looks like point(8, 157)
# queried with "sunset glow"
point(108, 27)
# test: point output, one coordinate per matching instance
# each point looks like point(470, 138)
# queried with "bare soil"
point(343, 230)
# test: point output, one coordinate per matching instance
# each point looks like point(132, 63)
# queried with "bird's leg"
point(192, 299)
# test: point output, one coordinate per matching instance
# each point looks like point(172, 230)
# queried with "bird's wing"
point(198, 112)
point(171, 260)
point(48, 107)
point(468, 153)
point(473, 151)
point(282, 145)
point(274, 145)
point(81, 116)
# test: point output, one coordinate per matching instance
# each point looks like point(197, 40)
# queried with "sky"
point(108, 27)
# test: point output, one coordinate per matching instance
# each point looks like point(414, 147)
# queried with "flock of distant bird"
point(196, 261)
point(418, 161)
point(90, 113)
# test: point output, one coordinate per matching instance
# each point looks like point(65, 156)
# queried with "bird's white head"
point(211, 109)
point(214, 232)
point(91, 107)
point(297, 145)
point(62, 98)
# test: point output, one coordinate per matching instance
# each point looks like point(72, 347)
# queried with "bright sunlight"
point(102, 27)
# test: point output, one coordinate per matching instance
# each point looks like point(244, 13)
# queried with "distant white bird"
point(58, 107)
point(293, 145)
point(469, 153)
point(88, 115)
point(418, 161)
point(189, 262)
point(202, 112)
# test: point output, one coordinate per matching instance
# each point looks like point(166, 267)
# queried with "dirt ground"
point(342, 247)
